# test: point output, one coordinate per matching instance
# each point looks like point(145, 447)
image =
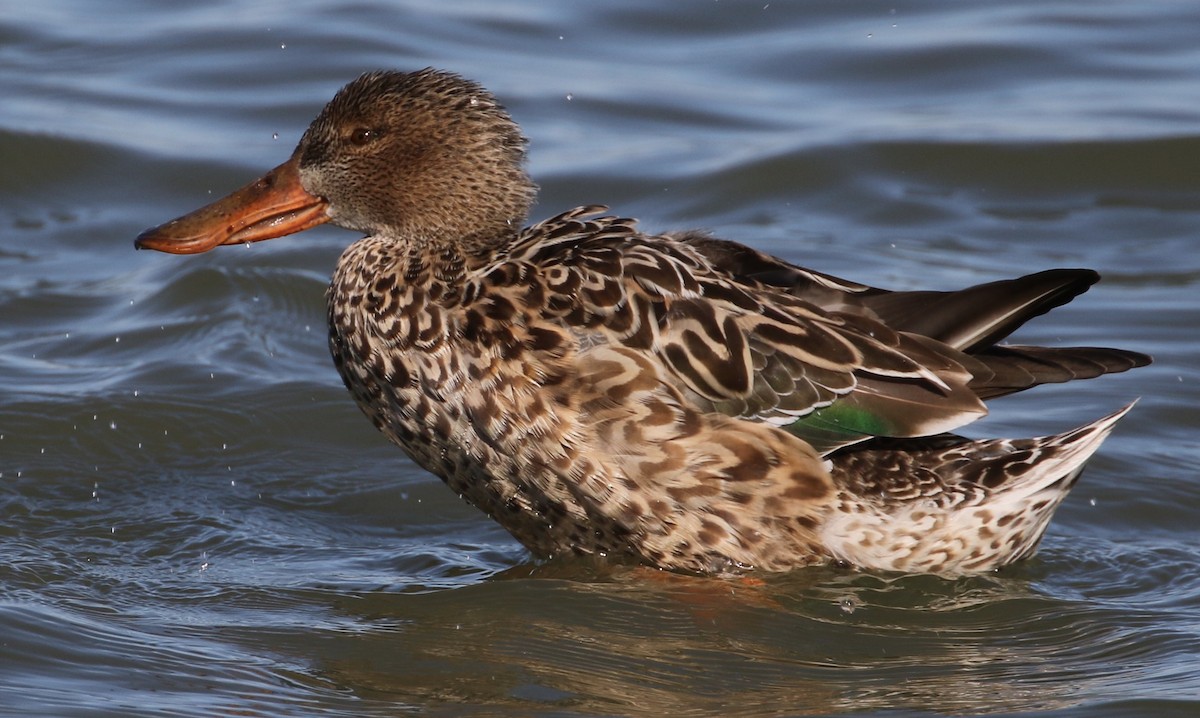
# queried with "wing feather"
point(747, 335)
point(754, 352)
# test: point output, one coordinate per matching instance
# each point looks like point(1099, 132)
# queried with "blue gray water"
point(195, 520)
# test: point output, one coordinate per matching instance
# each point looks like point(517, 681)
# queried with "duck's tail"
point(950, 505)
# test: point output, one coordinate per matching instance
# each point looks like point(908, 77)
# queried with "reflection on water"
point(641, 643)
point(197, 521)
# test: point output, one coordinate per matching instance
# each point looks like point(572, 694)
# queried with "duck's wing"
point(746, 350)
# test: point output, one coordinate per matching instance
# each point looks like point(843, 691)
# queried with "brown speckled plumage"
point(686, 401)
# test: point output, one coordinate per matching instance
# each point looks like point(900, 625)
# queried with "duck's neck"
point(378, 270)
point(448, 262)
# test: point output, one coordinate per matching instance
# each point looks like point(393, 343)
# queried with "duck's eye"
point(362, 136)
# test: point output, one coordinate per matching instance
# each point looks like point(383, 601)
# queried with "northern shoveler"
point(683, 400)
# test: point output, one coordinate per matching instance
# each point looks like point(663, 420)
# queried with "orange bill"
point(272, 206)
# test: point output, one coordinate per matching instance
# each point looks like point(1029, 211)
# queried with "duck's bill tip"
point(272, 206)
point(168, 238)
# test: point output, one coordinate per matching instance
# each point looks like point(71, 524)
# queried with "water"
point(197, 521)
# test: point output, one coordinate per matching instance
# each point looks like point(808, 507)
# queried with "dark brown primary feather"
point(971, 320)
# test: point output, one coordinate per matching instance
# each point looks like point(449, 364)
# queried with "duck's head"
point(421, 156)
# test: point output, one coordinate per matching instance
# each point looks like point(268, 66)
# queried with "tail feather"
point(950, 505)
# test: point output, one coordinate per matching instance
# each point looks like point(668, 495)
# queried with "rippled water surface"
point(198, 521)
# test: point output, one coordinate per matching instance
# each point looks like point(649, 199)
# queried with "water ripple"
point(198, 521)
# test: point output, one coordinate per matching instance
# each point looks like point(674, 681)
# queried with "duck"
point(675, 400)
